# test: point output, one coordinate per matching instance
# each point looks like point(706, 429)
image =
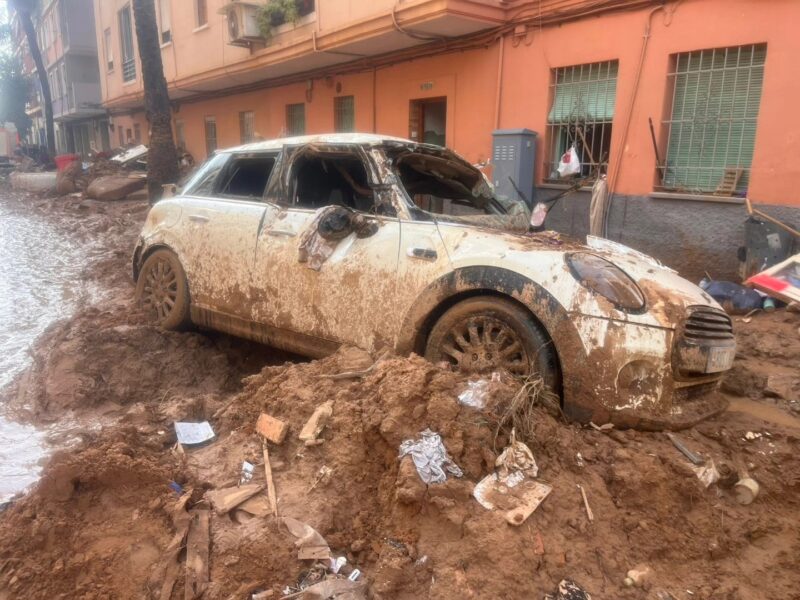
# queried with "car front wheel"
point(162, 290)
point(486, 334)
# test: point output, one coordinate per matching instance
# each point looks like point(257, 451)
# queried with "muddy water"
point(39, 284)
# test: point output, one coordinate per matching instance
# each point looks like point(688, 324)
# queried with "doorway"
point(427, 121)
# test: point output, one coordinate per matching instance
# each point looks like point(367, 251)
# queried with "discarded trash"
point(354, 575)
point(781, 281)
point(589, 513)
point(248, 469)
point(323, 476)
point(569, 590)
point(727, 476)
point(516, 457)
point(226, 499)
point(337, 564)
point(707, 474)
point(331, 588)
point(734, 298)
point(192, 434)
point(274, 430)
point(316, 423)
point(430, 457)
point(746, 490)
point(638, 576)
point(311, 545)
point(693, 458)
point(176, 487)
point(475, 394)
point(750, 436)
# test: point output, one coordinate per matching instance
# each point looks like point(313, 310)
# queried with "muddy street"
point(109, 516)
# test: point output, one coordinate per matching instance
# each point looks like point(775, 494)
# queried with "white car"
point(312, 242)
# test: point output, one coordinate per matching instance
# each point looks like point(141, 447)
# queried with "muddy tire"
point(162, 290)
point(486, 334)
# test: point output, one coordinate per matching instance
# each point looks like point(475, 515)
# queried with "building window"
point(344, 117)
point(109, 50)
point(211, 135)
point(126, 43)
point(137, 133)
point(164, 21)
point(180, 135)
point(247, 126)
point(581, 115)
point(121, 136)
point(201, 12)
point(295, 119)
point(712, 128)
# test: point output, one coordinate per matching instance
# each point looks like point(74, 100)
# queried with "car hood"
point(540, 257)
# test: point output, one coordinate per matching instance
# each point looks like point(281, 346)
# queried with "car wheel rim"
point(160, 289)
point(482, 343)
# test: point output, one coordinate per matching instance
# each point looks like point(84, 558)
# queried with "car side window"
point(204, 181)
point(320, 179)
point(246, 177)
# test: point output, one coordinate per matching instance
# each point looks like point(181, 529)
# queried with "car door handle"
point(423, 253)
point(199, 218)
point(281, 232)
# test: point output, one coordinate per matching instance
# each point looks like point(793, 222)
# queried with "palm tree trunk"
point(24, 14)
point(162, 158)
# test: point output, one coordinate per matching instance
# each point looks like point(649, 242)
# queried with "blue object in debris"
point(176, 487)
point(733, 297)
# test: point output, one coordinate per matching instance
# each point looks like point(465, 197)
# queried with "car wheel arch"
point(142, 253)
point(468, 282)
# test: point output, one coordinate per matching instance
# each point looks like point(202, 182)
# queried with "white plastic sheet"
point(430, 457)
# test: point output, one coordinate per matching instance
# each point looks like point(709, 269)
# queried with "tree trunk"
point(162, 158)
point(47, 99)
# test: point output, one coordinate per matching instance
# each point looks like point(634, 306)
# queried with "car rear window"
point(247, 177)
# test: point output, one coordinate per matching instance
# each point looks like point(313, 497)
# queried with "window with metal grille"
point(211, 135)
point(295, 119)
point(711, 131)
point(201, 12)
point(108, 49)
point(247, 126)
point(581, 115)
point(126, 41)
point(137, 133)
point(344, 114)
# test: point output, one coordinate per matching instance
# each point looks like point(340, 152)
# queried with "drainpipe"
point(498, 97)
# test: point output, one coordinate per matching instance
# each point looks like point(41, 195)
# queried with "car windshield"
point(444, 187)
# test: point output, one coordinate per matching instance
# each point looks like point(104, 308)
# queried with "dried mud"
point(98, 523)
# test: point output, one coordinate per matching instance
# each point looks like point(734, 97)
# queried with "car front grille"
point(706, 324)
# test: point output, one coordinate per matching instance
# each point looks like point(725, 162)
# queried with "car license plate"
point(720, 359)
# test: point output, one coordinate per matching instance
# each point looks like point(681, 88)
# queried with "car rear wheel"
point(485, 334)
point(162, 290)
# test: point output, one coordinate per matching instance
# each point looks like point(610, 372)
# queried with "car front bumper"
point(642, 376)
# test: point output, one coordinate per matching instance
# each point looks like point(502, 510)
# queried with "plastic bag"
point(569, 164)
point(430, 457)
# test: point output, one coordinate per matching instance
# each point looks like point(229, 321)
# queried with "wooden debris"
point(531, 495)
point(589, 513)
point(257, 505)
point(197, 551)
point(171, 568)
point(273, 497)
point(274, 430)
point(227, 499)
point(316, 423)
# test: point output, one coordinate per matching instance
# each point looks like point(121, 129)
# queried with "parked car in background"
point(309, 243)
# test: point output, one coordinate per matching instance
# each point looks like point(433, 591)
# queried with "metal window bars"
point(295, 119)
point(716, 95)
point(344, 114)
point(247, 126)
point(581, 114)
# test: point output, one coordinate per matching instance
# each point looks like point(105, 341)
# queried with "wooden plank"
point(227, 499)
point(316, 423)
point(197, 550)
point(273, 496)
point(274, 430)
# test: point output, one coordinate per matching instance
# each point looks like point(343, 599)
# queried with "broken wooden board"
point(271, 493)
point(170, 563)
point(227, 499)
point(311, 545)
point(274, 430)
point(316, 423)
point(197, 550)
point(516, 495)
point(258, 506)
point(531, 496)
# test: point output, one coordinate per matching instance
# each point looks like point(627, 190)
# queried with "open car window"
point(245, 177)
point(320, 178)
point(204, 182)
point(444, 187)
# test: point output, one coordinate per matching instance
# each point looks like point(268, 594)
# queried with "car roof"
point(328, 138)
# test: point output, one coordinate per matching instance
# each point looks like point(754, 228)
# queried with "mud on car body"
point(313, 242)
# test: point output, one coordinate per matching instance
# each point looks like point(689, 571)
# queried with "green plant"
point(275, 13)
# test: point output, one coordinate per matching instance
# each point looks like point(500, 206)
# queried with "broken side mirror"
point(336, 224)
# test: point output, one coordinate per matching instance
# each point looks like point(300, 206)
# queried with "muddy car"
point(310, 243)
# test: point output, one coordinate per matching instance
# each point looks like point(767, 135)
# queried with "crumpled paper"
point(516, 457)
point(430, 457)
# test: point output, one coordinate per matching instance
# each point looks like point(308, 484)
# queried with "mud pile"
point(73, 532)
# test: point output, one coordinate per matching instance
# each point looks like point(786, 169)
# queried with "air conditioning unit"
point(242, 20)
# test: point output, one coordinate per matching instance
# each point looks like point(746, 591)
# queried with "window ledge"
point(166, 44)
point(562, 186)
point(697, 197)
point(130, 82)
point(201, 28)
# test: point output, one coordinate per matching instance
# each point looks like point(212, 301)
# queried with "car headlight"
point(607, 279)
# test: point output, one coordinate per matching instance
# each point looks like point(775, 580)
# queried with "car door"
point(345, 299)
point(221, 215)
